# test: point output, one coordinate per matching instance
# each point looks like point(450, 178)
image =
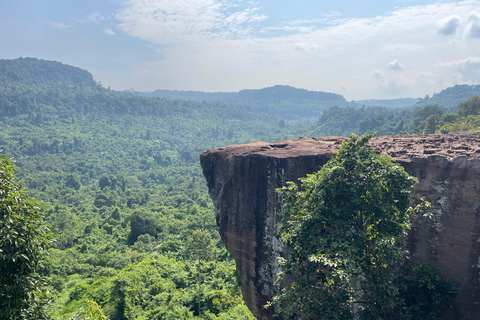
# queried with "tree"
point(142, 223)
point(91, 312)
point(425, 293)
point(105, 181)
point(24, 240)
point(199, 247)
point(469, 107)
point(431, 123)
point(345, 227)
point(72, 181)
point(426, 111)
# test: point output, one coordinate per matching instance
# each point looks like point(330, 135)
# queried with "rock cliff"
point(242, 180)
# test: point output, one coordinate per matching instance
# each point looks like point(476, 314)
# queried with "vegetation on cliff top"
point(346, 227)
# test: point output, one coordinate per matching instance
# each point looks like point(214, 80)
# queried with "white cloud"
point(449, 25)
point(396, 65)
point(393, 87)
point(290, 28)
point(473, 25)
point(306, 25)
point(94, 17)
point(377, 74)
point(332, 17)
point(109, 32)
point(402, 48)
point(60, 26)
point(302, 46)
point(174, 22)
point(469, 68)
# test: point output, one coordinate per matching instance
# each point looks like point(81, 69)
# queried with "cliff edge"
point(242, 180)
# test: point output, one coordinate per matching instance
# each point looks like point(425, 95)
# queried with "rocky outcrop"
point(242, 181)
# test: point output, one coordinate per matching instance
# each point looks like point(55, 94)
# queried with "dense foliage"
point(435, 120)
point(24, 240)
point(124, 192)
point(424, 294)
point(452, 96)
point(346, 228)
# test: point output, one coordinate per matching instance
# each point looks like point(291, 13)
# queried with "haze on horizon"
point(360, 49)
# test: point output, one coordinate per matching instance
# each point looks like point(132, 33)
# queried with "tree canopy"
point(470, 107)
point(24, 240)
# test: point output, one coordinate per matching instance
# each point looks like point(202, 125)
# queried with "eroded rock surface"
point(242, 180)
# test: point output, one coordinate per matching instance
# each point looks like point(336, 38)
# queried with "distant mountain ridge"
point(288, 92)
point(389, 103)
point(190, 95)
point(281, 92)
point(451, 96)
point(286, 102)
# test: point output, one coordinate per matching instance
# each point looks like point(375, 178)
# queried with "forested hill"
point(288, 92)
point(448, 97)
point(389, 103)
point(275, 92)
point(41, 88)
point(43, 74)
point(451, 96)
point(286, 102)
point(191, 95)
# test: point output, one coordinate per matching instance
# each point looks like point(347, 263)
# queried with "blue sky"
point(361, 49)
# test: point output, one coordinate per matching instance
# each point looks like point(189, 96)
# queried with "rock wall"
point(242, 181)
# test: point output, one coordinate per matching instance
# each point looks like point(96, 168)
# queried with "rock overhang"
point(242, 181)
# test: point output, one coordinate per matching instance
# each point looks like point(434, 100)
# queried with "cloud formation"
point(303, 46)
point(109, 32)
point(94, 17)
point(449, 25)
point(60, 26)
point(378, 74)
point(473, 25)
point(173, 22)
point(469, 68)
point(396, 65)
point(331, 18)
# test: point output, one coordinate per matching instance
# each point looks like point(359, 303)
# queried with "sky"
point(360, 49)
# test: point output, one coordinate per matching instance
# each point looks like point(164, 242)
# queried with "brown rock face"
point(242, 181)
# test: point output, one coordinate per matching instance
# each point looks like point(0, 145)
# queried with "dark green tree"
point(469, 107)
point(199, 247)
point(105, 181)
point(432, 122)
point(425, 293)
point(426, 111)
point(72, 182)
point(345, 226)
point(449, 117)
point(142, 223)
point(24, 240)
